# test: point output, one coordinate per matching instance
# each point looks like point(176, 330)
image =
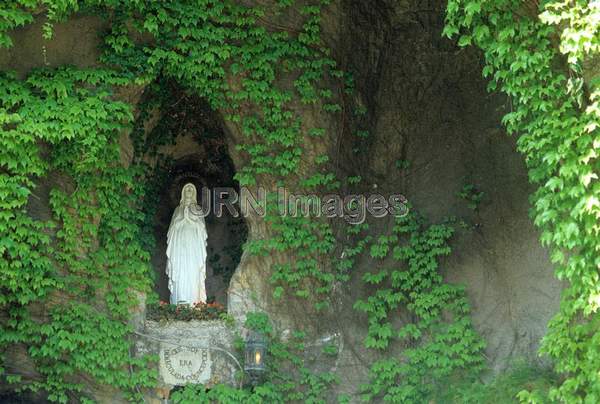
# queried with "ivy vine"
point(556, 116)
point(84, 265)
point(436, 331)
point(84, 268)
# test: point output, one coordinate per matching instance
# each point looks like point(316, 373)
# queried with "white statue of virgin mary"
point(186, 250)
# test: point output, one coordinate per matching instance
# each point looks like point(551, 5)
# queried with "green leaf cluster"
point(556, 115)
point(287, 379)
point(84, 268)
point(414, 307)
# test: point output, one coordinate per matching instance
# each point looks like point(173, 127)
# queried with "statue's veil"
point(194, 196)
point(186, 253)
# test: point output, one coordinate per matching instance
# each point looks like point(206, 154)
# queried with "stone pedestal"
point(190, 352)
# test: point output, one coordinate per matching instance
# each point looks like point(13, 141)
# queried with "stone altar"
point(190, 352)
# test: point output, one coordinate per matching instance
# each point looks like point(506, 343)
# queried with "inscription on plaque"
point(181, 365)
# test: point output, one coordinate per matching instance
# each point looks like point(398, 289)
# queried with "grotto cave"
point(484, 115)
point(196, 152)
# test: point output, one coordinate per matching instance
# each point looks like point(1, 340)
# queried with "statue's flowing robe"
point(186, 256)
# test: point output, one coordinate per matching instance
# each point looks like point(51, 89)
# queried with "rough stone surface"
point(74, 42)
point(426, 105)
point(198, 352)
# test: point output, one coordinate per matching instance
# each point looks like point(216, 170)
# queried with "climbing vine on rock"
point(556, 114)
point(86, 279)
point(220, 52)
point(288, 377)
point(435, 329)
point(86, 266)
point(97, 212)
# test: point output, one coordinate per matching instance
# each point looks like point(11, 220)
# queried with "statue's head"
point(188, 194)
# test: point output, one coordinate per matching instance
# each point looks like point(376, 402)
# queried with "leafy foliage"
point(471, 195)
point(94, 261)
point(556, 115)
point(97, 259)
point(287, 377)
point(202, 45)
point(309, 240)
point(505, 388)
point(439, 340)
point(94, 250)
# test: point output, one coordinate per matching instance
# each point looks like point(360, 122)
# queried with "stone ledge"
point(190, 352)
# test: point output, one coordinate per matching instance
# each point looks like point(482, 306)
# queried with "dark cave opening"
point(197, 153)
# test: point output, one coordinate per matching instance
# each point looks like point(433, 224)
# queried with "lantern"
point(256, 352)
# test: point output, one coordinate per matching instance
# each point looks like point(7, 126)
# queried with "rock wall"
point(427, 105)
point(189, 352)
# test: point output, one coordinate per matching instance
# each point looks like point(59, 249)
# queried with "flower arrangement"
point(164, 311)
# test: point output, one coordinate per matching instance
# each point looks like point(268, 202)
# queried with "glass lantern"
point(256, 352)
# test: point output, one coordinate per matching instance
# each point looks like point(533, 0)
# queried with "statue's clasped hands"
point(192, 210)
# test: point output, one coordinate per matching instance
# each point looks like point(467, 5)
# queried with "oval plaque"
point(182, 365)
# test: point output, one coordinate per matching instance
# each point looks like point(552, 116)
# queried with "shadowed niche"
point(199, 155)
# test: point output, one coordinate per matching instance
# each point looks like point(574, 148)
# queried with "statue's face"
point(188, 194)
